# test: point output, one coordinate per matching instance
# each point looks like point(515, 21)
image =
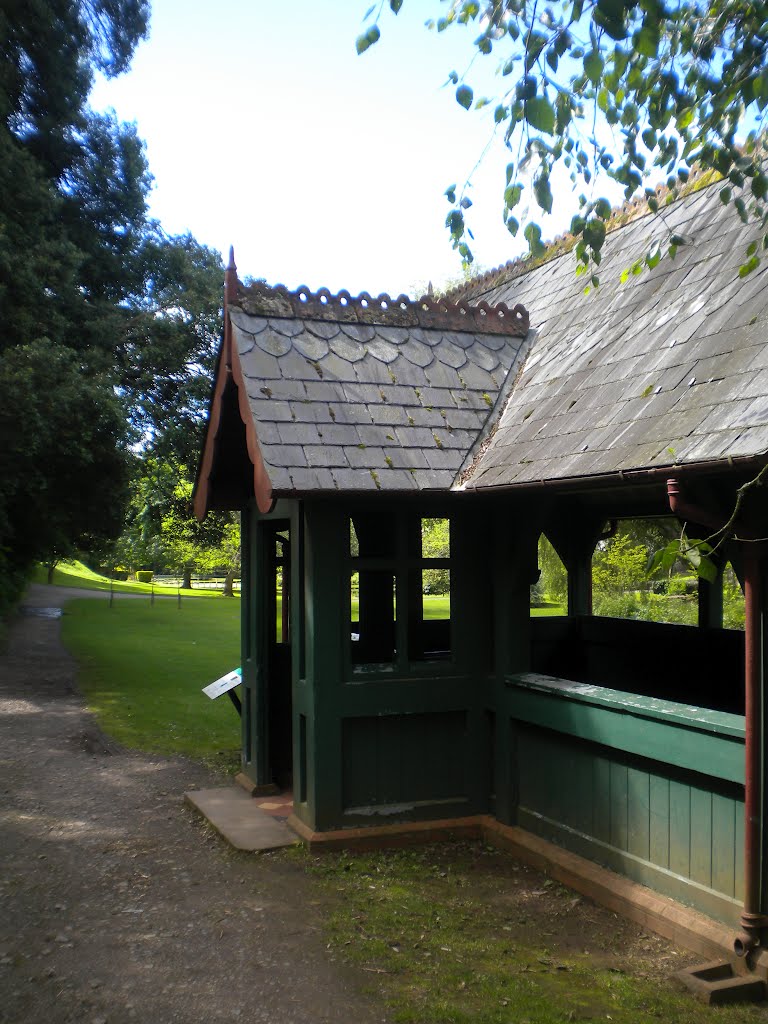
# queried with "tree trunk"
point(51, 568)
point(186, 581)
point(229, 584)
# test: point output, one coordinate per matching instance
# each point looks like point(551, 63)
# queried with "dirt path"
point(116, 904)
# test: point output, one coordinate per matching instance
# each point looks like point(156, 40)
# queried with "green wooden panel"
point(710, 744)
point(701, 836)
point(657, 827)
point(403, 760)
point(679, 828)
point(724, 812)
point(618, 805)
point(717, 905)
point(601, 788)
point(739, 847)
point(579, 807)
point(638, 812)
point(658, 820)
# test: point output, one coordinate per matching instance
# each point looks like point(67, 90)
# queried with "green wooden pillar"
point(515, 570)
point(326, 610)
point(574, 538)
point(711, 598)
point(254, 612)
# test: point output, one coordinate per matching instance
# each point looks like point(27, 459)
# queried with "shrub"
point(144, 576)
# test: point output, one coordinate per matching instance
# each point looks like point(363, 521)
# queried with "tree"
point(669, 85)
point(87, 276)
point(63, 463)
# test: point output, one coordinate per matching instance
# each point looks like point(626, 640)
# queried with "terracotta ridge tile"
point(260, 299)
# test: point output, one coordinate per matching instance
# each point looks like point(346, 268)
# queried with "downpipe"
point(753, 921)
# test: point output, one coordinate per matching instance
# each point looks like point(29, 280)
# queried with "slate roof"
point(364, 394)
point(668, 368)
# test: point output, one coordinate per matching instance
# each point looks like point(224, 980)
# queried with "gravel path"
point(118, 905)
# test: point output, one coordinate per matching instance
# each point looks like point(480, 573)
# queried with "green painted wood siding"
point(395, 762)
point(677, 830)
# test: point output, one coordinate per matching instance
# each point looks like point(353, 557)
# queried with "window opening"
point(549, 594)
point(621, 588)
point(733, 599)
point(373, 627)
point(399, 589)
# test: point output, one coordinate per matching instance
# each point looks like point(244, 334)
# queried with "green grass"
point(75, 574)
point(142, 666)
point(452, 933)
point(548, 608)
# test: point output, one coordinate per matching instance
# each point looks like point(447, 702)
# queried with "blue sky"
point(265, 130)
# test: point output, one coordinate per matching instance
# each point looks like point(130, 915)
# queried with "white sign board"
point(227, 682)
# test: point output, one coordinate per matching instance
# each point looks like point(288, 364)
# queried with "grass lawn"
point(75, 574)
point(142, 668)
point(461, 933)
point(547, 608)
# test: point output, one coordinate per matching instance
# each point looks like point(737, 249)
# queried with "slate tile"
point(296, 433)
point(243, 321)
point(383, 350)
point(267, 433)
point(432, 480)
point(325, 455)
point(373, 371)
point(360, 334)
point(305, 479)
point(476, 377)
point(353, 479)
point(334, 368)
point(406, 458)
point(280, 478)
point(265, 409)
point(431, 417)
point(286, 455)
point(417, 353)
point(438, 375)
point(388, 414)
point(415, 437)
point(325, 329)
point(326, 391)
point(345, 348)
point(284, 327)
point(442, 458)
point(338, 433)
point(259, 365)
point(373, 434)
point(393, 479)
point(406, 373)
point(367, 457)
point(310, 347)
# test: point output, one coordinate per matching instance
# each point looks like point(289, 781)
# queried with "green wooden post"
point(515, 545)
point(574, 538)
point(326, 615)
point(711, 598)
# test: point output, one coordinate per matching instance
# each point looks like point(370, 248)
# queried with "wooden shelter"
point(516, 407)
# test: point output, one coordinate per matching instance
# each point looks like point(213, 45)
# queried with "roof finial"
point(230, 278)
point(430, 290)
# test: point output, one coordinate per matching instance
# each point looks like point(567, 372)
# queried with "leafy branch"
point(672, 84)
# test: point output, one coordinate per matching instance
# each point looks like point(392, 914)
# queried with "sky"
point(266, 131)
